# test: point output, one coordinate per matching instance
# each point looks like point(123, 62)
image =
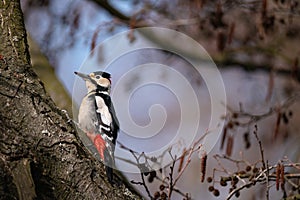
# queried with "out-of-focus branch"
point(253, 66)
point(223, 61)
point(112, 10)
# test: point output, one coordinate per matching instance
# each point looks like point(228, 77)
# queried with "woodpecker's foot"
point(70, 120)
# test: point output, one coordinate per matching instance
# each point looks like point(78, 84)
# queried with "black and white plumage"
point(97, 117)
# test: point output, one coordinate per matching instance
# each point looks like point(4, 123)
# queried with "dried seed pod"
point(229, 146)
point(247, 140)
point(270, 86)
point(278, 174)
point(209, 179)
point(282, 180)
point(163, 196)
point(276, 131)
point(216, 192)
point(203, 166)
point(285, 118)
point(230, 125)
point(241, 172)
point(94, 40)
point(295, 67)
point(236, 123)
point(234, 180)
point(130, 34)
point(182, 159)
point(235, 115)
point(248, 168)
point(223, 137)
point(162, 187)
point(221, 41)
point(216, 19)
point(290, 113)
point(223, 182)
point(237, 194)
point(211, 188)
point(255, 170)
point(150, 179)
point(156, 195)
point(230, 36)
point(153, 174)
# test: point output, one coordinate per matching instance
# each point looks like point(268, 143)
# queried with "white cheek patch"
point(103, 110)
point(104, 82)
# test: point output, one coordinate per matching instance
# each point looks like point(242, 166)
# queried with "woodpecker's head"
point(96, 80)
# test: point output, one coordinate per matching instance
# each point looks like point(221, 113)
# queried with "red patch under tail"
point(100, 145)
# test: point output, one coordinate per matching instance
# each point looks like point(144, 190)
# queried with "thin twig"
point(171, 185)
point(261, 177)
point(260, 147)
point(142, 176)
point(267, 186)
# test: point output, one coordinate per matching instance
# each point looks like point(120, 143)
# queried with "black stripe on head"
point(103, 74)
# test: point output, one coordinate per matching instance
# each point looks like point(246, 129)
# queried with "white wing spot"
point(103, 110)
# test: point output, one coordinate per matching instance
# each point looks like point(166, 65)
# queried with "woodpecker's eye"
point(98, 77)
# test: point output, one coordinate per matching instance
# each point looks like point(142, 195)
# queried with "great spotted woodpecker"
point(97, 117)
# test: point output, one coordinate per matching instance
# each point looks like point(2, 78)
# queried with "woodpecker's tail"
point(107, 155)
point(109, 161)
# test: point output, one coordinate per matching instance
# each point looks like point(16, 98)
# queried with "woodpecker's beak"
point(83, 76)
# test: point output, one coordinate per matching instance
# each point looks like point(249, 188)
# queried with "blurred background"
point(254, 44)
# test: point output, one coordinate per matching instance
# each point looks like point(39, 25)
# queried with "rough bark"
point(41, 156)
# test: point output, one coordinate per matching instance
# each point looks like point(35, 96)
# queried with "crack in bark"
point(13, 88)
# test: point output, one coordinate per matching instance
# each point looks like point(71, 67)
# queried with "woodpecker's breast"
point(87, 117)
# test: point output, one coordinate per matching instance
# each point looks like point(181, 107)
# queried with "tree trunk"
point(41, 156)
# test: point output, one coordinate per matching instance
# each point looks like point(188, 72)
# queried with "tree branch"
point(112, 10)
